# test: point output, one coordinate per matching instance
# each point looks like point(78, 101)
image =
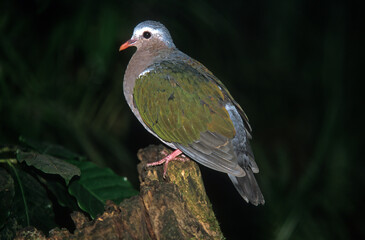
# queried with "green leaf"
point(7, 193)
point(30, 206)
point(50, 149)
point(96, 185)
point(49, 164)
point(61, 193)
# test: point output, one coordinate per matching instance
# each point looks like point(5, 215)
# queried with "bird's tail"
point(248, 187)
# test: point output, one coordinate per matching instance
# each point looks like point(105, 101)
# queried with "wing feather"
point(184, 107)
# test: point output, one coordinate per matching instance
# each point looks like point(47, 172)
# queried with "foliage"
point(33, 182)
point(97, 185)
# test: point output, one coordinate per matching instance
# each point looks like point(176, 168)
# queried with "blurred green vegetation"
point(294, 66)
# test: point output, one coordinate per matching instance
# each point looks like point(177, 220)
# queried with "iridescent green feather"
point(178, 103)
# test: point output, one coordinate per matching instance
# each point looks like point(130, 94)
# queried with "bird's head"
point(149, 33)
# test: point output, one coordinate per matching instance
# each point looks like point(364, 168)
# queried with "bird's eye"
point(146, 35)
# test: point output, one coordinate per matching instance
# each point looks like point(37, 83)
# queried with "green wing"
point(185, 107)
point(178, 103)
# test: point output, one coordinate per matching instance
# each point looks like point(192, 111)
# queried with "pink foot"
point(166, 160)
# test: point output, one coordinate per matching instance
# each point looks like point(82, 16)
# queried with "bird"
point(180, 102)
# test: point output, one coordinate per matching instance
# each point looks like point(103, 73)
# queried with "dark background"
point(294, 66)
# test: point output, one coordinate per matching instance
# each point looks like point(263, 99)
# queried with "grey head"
point(149, 33)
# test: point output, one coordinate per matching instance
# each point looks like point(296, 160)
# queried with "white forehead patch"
point(156, 29)
point(153, 31)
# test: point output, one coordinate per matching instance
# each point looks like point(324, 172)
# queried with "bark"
point(176, 207)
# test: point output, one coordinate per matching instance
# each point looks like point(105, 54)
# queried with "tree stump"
point(176, 207)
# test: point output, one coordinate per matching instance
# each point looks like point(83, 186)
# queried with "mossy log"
point(176, 207)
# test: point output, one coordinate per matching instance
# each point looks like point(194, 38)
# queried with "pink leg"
point(166, 160)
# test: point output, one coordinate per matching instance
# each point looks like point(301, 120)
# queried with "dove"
point(180, 102)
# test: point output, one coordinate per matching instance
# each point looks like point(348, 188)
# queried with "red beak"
point(127, 44)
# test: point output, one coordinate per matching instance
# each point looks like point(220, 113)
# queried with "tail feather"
point(248, 187)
